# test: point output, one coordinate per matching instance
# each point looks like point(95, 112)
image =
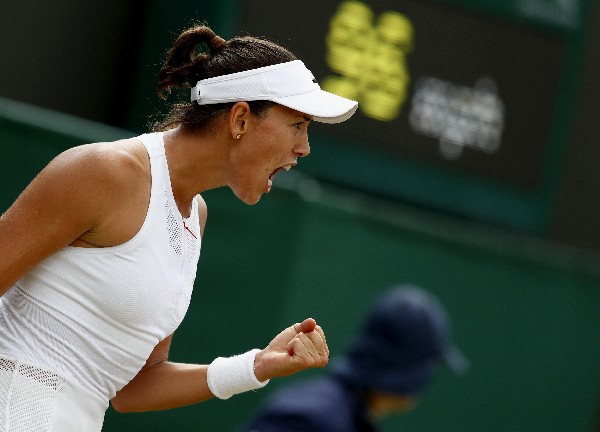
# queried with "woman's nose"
point(303, 149)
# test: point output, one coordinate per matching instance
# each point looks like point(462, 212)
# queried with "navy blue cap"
point(405, 337)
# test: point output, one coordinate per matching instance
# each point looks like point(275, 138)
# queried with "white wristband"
point(227, 376)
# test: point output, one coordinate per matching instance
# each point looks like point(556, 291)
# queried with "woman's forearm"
point(163, 386)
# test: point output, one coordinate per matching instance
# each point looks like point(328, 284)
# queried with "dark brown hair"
point(185, 65)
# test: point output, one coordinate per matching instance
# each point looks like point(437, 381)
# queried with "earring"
point(238, 136)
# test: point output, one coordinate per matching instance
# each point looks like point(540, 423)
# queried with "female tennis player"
point(98, 255)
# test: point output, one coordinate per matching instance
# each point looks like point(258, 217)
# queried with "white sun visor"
point(289, 84)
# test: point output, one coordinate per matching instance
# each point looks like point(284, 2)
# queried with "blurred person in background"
point(403, 341)
point(98, 255)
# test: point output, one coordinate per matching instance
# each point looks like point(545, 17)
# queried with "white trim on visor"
point(289, 84)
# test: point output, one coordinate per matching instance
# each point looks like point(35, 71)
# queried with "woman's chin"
point(249, 198)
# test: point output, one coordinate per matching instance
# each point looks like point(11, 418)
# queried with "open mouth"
point(274, 173)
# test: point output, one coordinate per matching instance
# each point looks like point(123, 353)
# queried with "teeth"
point(287, 167)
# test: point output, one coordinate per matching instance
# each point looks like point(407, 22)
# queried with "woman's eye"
point(301, 126)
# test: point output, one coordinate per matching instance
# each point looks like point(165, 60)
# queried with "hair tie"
point(216, 43)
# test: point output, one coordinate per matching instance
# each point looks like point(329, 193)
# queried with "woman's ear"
point(238, 119)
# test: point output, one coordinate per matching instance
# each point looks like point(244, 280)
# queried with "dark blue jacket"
point(324, 404)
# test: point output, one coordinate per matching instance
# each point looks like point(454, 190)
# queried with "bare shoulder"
point(78, 176)
point(105, 161)
point(117, 175)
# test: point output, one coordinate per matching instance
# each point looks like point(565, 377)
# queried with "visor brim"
point(323, 106)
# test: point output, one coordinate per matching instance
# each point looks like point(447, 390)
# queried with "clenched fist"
point(298, 347)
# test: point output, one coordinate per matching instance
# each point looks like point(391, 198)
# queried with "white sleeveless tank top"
point(94, 315)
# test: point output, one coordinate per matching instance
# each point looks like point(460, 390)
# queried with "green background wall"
point(525, 312)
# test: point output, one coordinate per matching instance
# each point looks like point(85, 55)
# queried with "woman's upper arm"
point(61, 203)
point(133, 394)
point(159, 354)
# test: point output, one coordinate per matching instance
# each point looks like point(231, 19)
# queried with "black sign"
point(439, 84)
